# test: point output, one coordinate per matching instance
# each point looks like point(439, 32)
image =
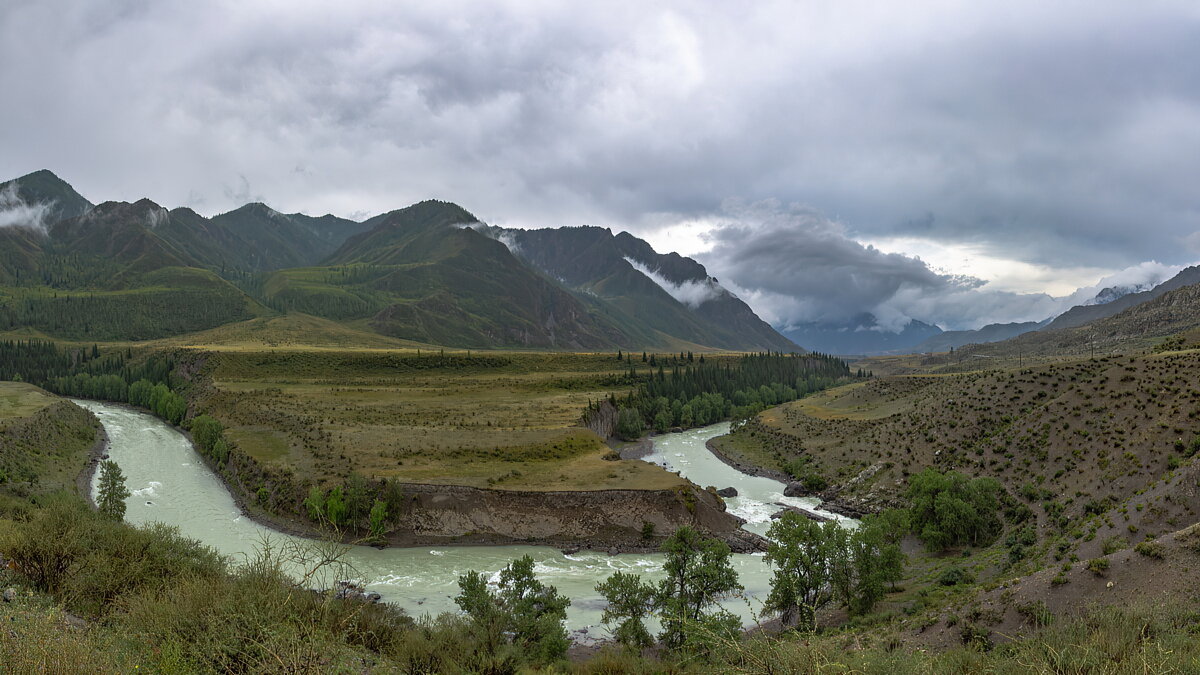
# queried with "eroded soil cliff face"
point(435, 515)
point(602, 519)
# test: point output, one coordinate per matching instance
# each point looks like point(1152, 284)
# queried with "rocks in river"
point(349, 590)
point(795, 489)
point(811, 515)
point(727, 492)
point(570, 551)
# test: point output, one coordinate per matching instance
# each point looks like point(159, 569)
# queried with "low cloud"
point(16, 212)
point(691, 293)
point(794, 265)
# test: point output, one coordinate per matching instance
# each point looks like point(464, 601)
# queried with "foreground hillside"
point(1095, 460)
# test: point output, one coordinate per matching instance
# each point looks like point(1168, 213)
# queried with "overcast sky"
point(805, 151)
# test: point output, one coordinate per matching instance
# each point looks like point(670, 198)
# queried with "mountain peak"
point(57, 198)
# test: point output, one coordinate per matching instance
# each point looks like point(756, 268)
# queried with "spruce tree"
point(113, 493)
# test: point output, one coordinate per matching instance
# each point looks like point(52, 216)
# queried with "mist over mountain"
point(860, 335)
point(664, 294)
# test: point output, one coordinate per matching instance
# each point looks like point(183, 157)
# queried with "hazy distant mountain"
point(652, 295)
point(1081, 314)
point(994, 332)
point(1111, 293)
point(1137, 327)
point(860, 335)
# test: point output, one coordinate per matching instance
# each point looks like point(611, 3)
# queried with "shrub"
point(953, 576)
point(87, 560)
point(1151, 549)
point(1098, 566)
point(950, 509)
point(258, 620)
point(1113, 544)
point(1036, 612)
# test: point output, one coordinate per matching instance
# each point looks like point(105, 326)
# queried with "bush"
point(950, 509)
point(1151, 549)
point(1098, 566)
point(259, 621)
point(803, 471)
point(953, 576)
point(1036, 612)
point(87, 561)
point(1113, 544)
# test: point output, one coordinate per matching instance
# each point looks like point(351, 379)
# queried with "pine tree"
point(113, 493)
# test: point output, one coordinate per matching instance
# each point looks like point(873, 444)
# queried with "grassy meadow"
point(484, 419)
point(18, 399)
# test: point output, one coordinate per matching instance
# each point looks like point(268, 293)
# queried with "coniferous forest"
point(688, 391)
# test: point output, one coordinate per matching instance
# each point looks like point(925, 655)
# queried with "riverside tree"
point(630, 600)
point(816, 564)
point(804, 554)
point(523, 613)
point(112, 494)
point(698, 575)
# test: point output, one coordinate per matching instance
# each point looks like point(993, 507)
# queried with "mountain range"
point(430, 273)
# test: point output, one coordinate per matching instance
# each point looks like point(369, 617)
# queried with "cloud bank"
point(793, 265)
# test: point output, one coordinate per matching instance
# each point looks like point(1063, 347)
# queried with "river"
point(170, 484)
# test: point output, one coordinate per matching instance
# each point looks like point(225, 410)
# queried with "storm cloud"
point(1057, 135)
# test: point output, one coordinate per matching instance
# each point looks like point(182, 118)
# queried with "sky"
point(960, 163)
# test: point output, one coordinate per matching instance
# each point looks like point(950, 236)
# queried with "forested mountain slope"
point(420, 274)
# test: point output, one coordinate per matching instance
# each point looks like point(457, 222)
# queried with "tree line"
point(813, 565)
point(683, 391)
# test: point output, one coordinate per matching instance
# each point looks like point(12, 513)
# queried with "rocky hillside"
point(1073, 441)
point(651, 294)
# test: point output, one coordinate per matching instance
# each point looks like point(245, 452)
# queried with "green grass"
point(18, 399)
point(44, 440)
point(483, 419)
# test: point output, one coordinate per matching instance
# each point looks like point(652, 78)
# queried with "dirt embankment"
point(436, 515)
